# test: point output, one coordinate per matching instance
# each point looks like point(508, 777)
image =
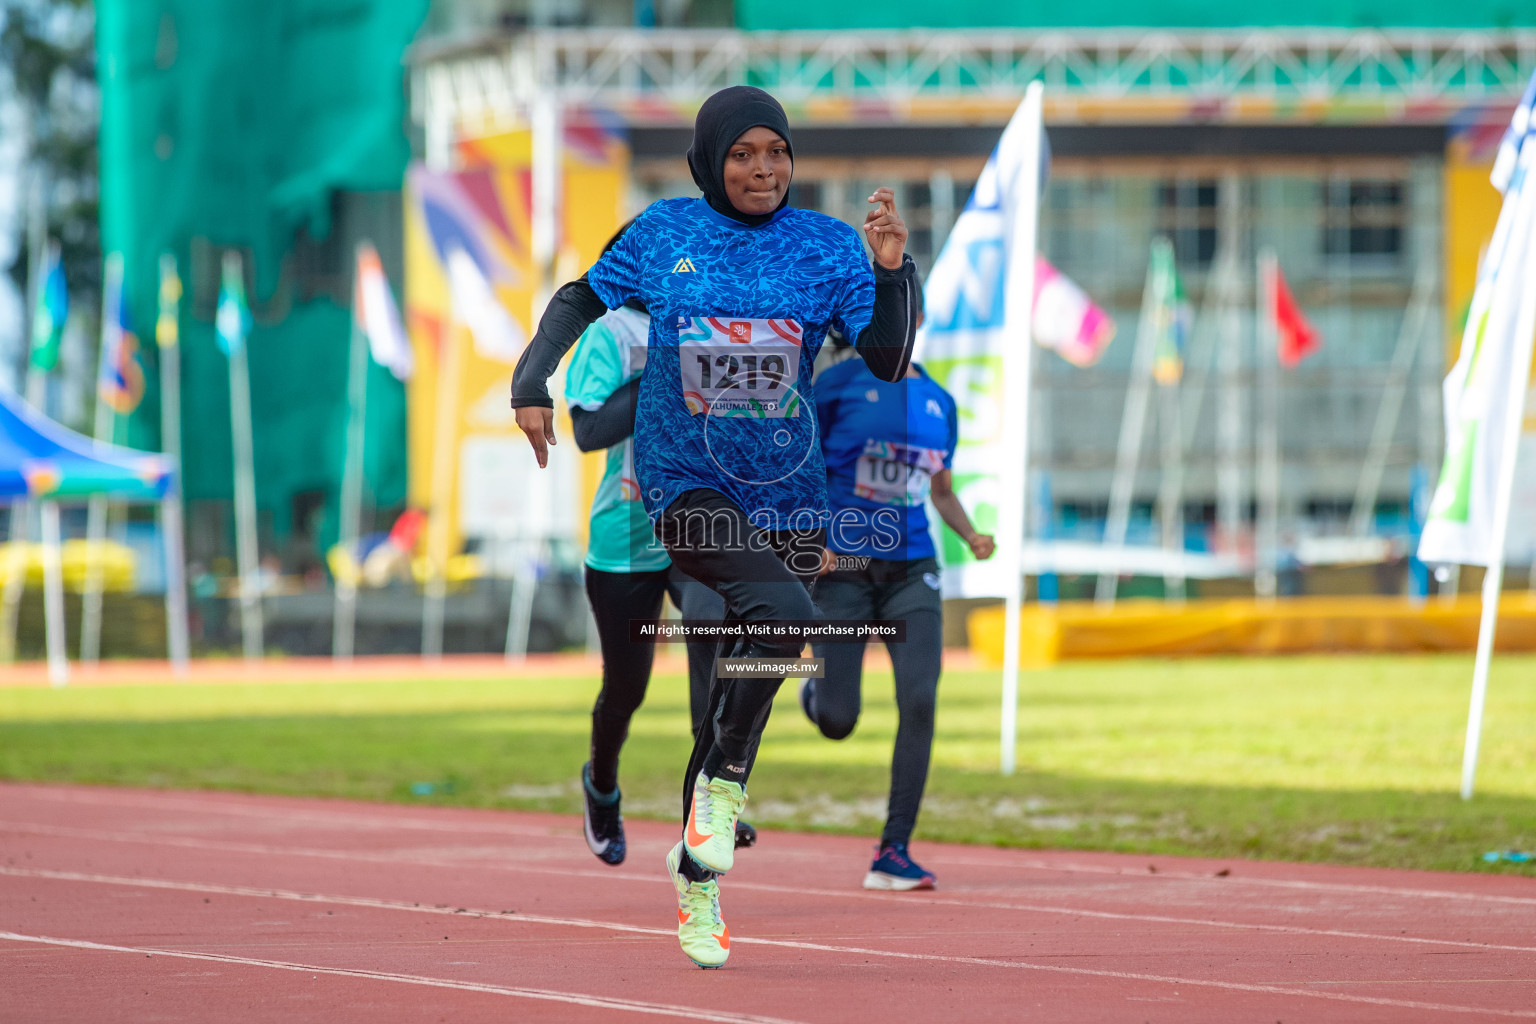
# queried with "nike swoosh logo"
point(694, 836)
point(682, 918)
point(724, 937)
point(593, 843)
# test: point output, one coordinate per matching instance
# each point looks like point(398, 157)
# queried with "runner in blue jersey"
point(741, 289)
point(888, 449)
point(627, 571)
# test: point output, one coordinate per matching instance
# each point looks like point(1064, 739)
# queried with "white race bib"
point(740, 367)
point(896, 474)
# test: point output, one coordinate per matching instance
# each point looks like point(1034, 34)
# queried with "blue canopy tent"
point(44, 462)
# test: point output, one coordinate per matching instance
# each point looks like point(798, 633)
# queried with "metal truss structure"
point(659, 77)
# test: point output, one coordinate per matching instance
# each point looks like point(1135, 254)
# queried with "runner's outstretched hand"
point(885, 230)
point(539, 424)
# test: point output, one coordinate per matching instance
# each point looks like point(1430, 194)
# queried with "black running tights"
point(761, 576)
point(616, 598)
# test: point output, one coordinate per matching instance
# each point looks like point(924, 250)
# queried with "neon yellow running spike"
point(700, 931)
point(711, 830)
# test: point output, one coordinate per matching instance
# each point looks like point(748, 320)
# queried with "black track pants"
point(616, 598)
point(907, 590)
point(761, 576)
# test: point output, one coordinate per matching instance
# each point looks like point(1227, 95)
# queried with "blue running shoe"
point(894, 871)
point(602, 822)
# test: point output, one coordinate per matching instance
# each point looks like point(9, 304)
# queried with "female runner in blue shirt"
point(888, 449)
point(742, 289)
point(628, 573)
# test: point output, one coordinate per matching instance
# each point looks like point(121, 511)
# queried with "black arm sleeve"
point(886, 344)
point(610, 423)
point(574, 308)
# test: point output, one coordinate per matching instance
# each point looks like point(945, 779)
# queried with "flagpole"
point(1169, 501)
point(1268, 525)
point(95, 538)
point(177, 643)
point(96, 509)
point(1017, 365)
point(53, 596)
point(1229, 410)
point(345, 623)
point(1493, 580)
point(35, 384)
point(168, 343)
point(1133, 425)
point(448, 364)
point(251, 626)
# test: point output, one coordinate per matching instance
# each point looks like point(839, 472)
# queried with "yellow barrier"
point(117, 561)
point(1139, 628)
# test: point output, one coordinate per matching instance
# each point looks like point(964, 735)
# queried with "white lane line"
point(575, 998)
point(225, 846)
point(576, 922)
point(402, 823)
point(1236, 879)
point(369, 902)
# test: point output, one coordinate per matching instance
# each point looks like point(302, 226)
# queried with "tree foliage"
point(48, 69)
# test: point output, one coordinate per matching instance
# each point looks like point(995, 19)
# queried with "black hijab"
point(723, 119)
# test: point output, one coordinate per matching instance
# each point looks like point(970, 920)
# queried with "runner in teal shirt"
point(628, 573)
point(609, 355)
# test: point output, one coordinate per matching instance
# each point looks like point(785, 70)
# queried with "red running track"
point(130, 905)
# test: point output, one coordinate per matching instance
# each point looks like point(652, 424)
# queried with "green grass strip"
point(1350, 760)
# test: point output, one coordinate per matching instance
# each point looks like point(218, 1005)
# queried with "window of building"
point(1186, 214)
point(1363, 217)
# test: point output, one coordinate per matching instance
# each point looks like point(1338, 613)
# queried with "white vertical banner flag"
point(974, 321)
point(1485, 394)
point(980, 302)
point(1480, 401)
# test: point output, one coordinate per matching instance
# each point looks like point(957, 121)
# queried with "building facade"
point(1357, 154)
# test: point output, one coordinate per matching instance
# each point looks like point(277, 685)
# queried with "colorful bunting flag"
point(1066, 320)
point(497, 336)
point(120, 380)
point(377, 316)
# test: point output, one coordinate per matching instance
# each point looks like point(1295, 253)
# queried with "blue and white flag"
point(971, 321)
point(1495, 352)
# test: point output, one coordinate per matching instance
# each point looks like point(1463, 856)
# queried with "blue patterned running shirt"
point(738, 314)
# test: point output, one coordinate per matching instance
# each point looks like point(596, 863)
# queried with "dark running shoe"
point(808, 699)
point(894, 871)
point(746, 835)
point(602, 822)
